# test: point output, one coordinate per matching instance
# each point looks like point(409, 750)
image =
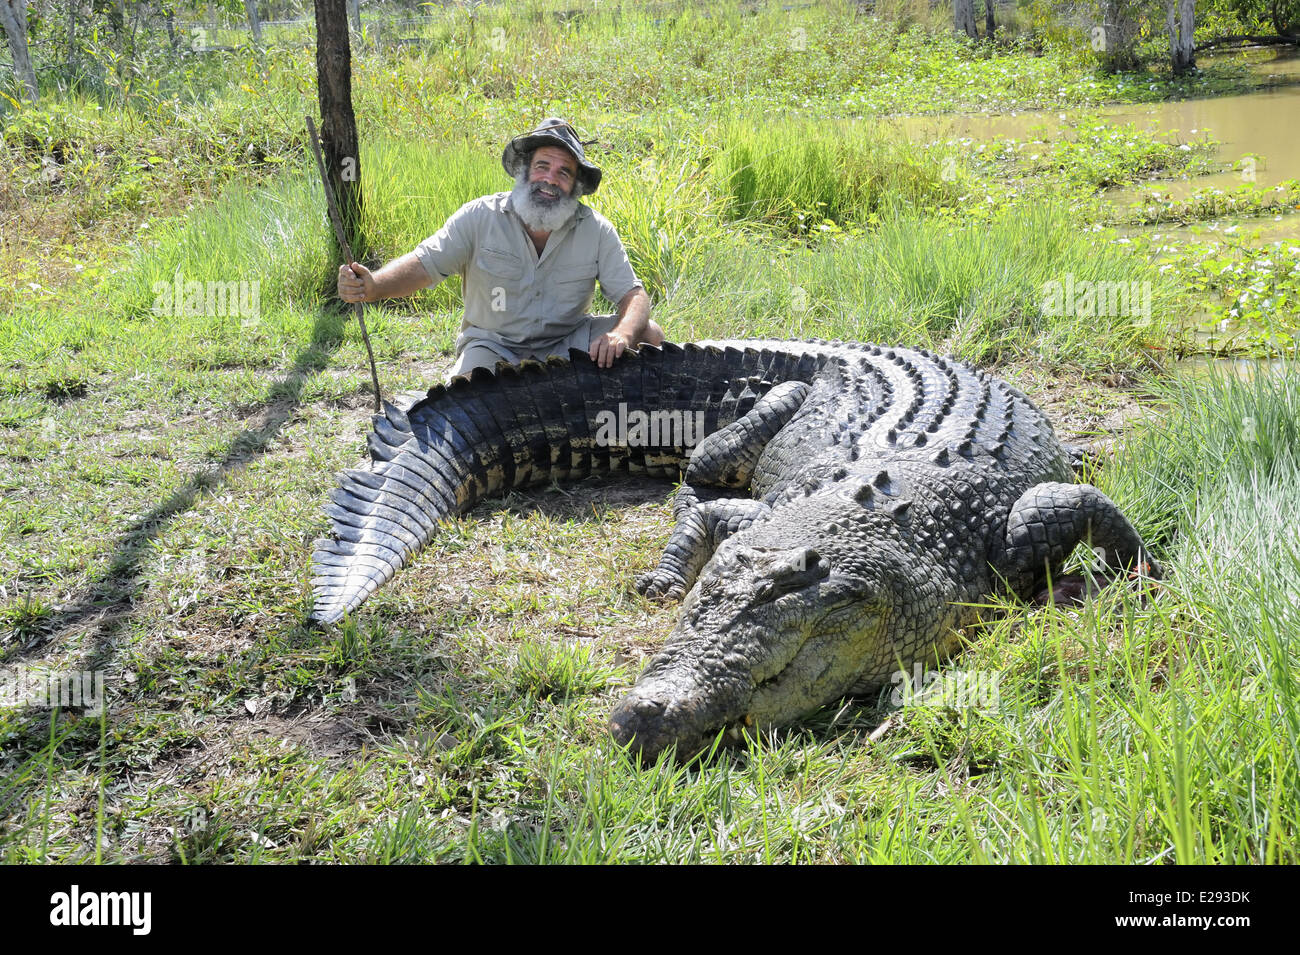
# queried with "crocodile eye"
point(793, 571)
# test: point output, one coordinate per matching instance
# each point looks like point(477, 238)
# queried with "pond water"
point(1245, 369)
point(1250, 231)
point(1263, 124)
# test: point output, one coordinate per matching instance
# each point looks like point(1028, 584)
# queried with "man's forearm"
point(633, 314)
point(401, 277)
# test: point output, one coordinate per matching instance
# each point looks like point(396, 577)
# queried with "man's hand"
point(356, 283)
point(633, 321)
point(401, 277)
point(606, 349)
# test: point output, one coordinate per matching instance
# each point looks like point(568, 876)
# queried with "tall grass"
point(269, 234)
point(669, 221)
point(1215, 722)
point(976, 290)
point(800, 174)
point(1212, 431)
point(277, 233)
point(412, 187)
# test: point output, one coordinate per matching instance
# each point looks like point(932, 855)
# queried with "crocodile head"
point(770, 633)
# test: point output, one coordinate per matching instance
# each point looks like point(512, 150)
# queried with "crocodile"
point(843, 510)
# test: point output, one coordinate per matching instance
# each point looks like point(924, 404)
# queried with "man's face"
point(552, 174)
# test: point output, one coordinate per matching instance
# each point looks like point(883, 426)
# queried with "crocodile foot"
point(661, 583)
point(1073, 589)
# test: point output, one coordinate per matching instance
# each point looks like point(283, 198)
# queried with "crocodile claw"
point(658, 583)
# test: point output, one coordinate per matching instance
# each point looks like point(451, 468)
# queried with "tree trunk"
point(338, 123)
point(256, 24)
point(964, 17)
point(13, 17)
point(1119, 33)
point(1281, 17)
point(169, 19)
point(73, 59)
point(1180, 18)
point(990, 25)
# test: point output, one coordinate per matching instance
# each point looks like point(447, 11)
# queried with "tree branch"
point(1249, 40)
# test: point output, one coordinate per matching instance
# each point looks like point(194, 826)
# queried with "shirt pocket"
point(575, 286)
point(499, 278)
point(500, 264)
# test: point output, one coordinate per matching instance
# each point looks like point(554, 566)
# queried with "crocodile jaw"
point(742, 650)
point(658, 714)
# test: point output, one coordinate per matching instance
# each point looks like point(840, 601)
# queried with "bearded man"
point(529, 260)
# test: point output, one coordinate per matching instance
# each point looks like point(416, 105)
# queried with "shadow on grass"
point(107, 603)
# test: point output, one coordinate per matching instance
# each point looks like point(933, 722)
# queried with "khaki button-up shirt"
point(513, 296)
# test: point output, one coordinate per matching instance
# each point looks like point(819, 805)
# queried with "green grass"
point(163, 475)
point(549, 672)
point(975, 290)
point(1215, 430)
point(800, 175)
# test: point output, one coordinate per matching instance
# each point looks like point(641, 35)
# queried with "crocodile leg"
point(725, 459)
point(697, 535)
point(1050, 520)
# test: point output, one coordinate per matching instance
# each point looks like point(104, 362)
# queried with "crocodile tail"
point(523, 425)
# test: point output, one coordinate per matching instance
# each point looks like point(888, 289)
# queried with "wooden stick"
point(346, 247)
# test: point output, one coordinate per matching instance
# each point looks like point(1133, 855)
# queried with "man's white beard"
point(539, 214)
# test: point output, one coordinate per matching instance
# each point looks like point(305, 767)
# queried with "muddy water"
point(1245, 369)
point(1253, 232)
point(1265, 124)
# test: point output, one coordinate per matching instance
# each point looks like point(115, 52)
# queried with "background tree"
point(1115, 38)
point(13, 17)
point(1256, 18)
point(964, 17)
point(1285, 16)
point(254, 22)
point(338, 122)
point(1256, 15)
point(1180, 20)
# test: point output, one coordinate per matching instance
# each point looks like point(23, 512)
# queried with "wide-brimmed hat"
point(552, 131)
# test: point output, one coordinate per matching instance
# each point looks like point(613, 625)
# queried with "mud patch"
point(319, 732)
point(1085, 414)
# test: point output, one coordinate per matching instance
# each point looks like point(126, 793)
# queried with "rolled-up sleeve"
point(448, 250)
point(614, 269)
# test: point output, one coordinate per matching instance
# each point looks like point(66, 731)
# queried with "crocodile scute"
point(843, 506)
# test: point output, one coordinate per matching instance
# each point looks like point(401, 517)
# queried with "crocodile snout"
point(651, 724)
point(639, 720)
